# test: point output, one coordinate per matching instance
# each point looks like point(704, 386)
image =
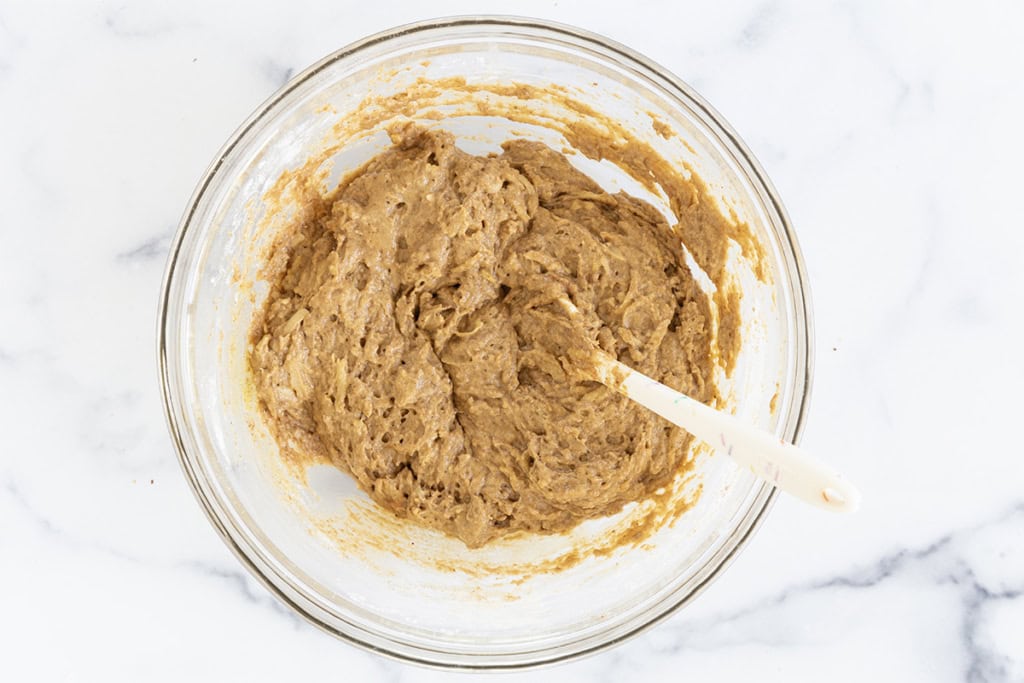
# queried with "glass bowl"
point(316, 541)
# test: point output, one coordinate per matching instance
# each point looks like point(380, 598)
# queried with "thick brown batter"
point(415, 338)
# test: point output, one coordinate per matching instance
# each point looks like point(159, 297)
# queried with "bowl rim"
point(250, 556)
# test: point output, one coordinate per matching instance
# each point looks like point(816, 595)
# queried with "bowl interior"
point(319, 541)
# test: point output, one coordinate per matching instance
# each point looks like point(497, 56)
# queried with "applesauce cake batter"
point(414, 338)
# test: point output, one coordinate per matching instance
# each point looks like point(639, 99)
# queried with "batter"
point(415, 338)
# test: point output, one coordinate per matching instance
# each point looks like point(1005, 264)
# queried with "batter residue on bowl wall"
point(413, 335)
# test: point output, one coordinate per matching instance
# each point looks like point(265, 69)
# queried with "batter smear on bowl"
point(414, 338)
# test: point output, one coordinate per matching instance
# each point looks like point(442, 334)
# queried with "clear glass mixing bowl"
point(411, 593)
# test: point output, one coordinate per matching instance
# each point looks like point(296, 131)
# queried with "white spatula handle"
point(774, 460)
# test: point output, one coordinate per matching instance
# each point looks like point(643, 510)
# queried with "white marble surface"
point(892, 131)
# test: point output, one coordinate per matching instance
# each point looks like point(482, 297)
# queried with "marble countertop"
point(893, 133)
